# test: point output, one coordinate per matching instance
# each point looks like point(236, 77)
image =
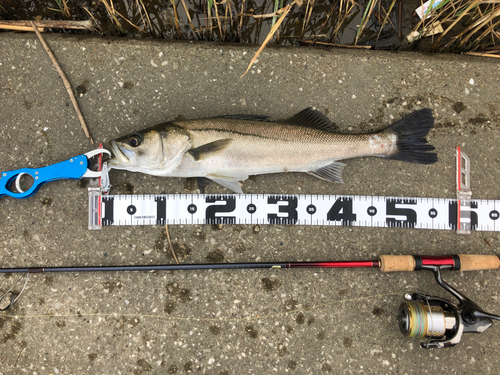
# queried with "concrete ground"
point(242, 321)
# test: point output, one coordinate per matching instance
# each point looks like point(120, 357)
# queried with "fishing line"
point(416, 314)
point(162, 317)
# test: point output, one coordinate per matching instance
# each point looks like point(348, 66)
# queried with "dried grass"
point(469, 25)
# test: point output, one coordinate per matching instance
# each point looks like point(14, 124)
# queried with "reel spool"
point(431, 317)
point(418, 319)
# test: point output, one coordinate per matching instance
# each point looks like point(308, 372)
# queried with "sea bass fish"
point(228, 149)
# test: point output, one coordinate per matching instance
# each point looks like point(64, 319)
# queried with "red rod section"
point(340, 264)
point(446, 260)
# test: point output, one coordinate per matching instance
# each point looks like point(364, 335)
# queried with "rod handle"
point(468, 262)
point(471, 262)
point(393, 263)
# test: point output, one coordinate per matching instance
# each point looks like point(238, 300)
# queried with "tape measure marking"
point(326, 210)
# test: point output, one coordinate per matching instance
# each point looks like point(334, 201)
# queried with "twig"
point(268, 15)
point(170, 244)
point(65, 10)
point(309, 9)
point(111, 12)
point(335, 45)
point(462, 15)
point(400, 20)
point(147, 15)
point(241, 20)
point(65, 81)
point(20, 28)
point(483, 54)
point(17, 359)
point(131, 24)
point(218, 19)
point(284, 11)
point(387, 14)
point(188, 15)
point(95, 21)
point(176, 18)
point(49, 24)
point(364, 20)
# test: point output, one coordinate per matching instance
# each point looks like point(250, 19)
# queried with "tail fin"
point(410, 142)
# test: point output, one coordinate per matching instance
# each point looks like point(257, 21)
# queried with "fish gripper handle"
point(73, 168)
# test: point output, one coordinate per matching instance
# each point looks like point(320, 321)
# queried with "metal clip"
point(98, 187)
point(464, 194)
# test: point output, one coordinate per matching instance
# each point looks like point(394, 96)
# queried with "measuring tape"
point(345, 210)
point(462, 214)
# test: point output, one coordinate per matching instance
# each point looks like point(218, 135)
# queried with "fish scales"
point(291, 146)
point(229, 149)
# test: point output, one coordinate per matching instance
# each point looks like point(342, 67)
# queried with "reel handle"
point(463, 262)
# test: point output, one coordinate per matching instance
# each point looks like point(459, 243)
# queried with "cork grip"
point(470, 262)
point(392, 263)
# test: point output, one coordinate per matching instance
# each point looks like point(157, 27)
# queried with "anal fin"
point(231, 182)
point(331, 172)
point(234, 186)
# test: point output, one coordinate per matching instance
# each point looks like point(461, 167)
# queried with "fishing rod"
point(419, 315)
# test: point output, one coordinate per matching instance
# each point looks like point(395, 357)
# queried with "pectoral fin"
point(331, 172)
point(201, 184)
point(209, 148)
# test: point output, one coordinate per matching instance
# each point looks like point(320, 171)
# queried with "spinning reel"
point(439, 319)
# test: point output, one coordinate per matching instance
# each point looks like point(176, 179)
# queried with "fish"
point(229, 149)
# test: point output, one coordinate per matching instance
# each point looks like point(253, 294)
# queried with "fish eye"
point(135, 140)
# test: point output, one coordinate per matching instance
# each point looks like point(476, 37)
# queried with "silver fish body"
point(231, 148)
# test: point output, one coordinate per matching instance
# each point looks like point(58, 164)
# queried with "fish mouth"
point(120, 155)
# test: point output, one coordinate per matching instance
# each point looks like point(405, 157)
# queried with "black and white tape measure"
point(361, 211)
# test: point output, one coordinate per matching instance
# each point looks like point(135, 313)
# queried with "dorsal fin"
point(312, 119)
